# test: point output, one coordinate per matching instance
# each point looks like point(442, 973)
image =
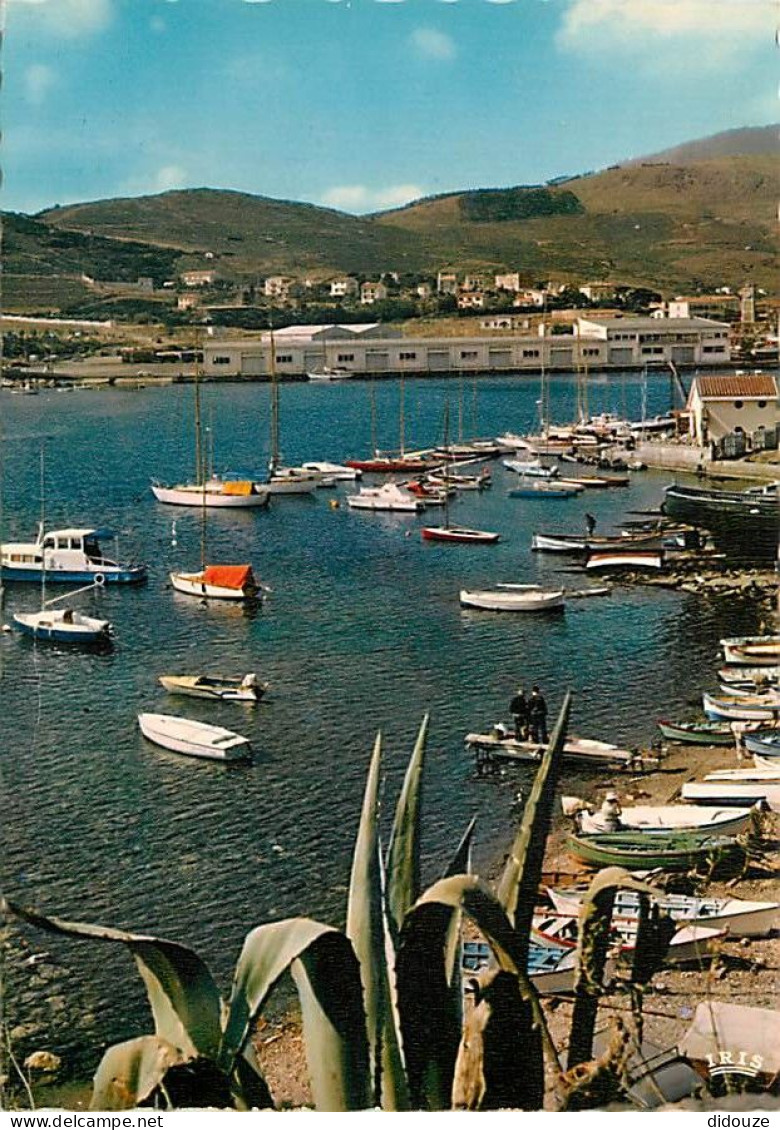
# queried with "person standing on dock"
point(518, 708)
point(537, 716)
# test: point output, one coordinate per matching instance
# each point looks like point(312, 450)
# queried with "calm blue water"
point(362, 631)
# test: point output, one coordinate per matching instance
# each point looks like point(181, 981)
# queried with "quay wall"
point(687, 458)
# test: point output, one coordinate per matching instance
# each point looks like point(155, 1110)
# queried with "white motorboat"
point(531, 468)
point(510, 599)
point(338, 472)
point(290, 480)
point(195, 739)
point(218, 582)
point(739, 792)
point(214, 493)
point(739, 917)
point(248, 689)
point(63, 625)
point(72, 556)
point(389, 496)
point(742, 707)
point(752, 651)
point(663, 818)
point(330, 373)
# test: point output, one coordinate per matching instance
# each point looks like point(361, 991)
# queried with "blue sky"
point(364, 104)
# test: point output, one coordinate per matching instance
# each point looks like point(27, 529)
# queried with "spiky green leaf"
point(129, 1073)
point(403, 857)
point(182, 993)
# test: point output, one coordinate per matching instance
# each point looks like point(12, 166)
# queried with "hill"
point(696, 216)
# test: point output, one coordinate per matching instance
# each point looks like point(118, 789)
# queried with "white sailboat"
point(447, 533)
point(283, 480)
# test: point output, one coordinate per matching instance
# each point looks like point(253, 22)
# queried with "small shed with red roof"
point(721, 404)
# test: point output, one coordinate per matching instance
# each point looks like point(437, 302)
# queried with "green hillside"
point(704, 218)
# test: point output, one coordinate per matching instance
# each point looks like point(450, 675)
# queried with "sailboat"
point(212, 582)
point(209, 489)
point(61, 625)
point(447, 532)
point(380, 463)
point(284, 480)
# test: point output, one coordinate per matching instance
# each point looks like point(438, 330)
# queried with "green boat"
point(697, 733)
point(677, 851)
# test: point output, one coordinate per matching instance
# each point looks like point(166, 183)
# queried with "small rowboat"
point(765, 743)
point(513, 600)
point(697, 733)
point(248, 689)
point(754, 676)
point(690, 943)
point(543, 488)
point(500, 746)
point(716, 789)
point(638, 851)
point(741, 918)
point(461, 535)
point(661, 819)
point(742, 708)
point(752, 651)
point(625, 559)
point(551, 967)
point(195, 739)
point(62, 625)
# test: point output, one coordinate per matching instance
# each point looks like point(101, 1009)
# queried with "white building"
point(657, 341)
point(371, 292)
point(346, 287)
point(471, 300)
point(199, 278)
point(508, 282)
point(724, 307)
point(720, 404)
point(447, 282)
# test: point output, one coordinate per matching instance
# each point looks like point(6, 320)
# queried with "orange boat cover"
point(241, 486)
point(228, 576)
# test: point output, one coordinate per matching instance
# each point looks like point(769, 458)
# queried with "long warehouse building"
point(379, 350)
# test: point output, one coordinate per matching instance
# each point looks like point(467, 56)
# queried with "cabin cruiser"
point(66, 556)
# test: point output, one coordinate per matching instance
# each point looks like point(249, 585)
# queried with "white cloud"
point(38, 81)
point(632, 23)
point(70, 18)
point(433, 44)
point(360, 198)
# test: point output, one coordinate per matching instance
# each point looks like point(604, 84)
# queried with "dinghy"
point(510, 599)
point(551, 968)
point(660, 819)
point(248, 689)
point(741, 918)
point(697, 733)
point(625, 559)
point(722, 790)
point(689, 943)
point(755, 676)
point(638, 851)
point(742, 708)
point(542, 488)
point(194, 739)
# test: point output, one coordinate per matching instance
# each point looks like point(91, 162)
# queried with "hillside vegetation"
point(699, 216)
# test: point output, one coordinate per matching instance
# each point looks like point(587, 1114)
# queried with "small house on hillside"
point(723, 404)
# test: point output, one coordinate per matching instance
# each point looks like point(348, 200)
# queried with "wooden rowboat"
point(741, 918)
point(513, 600)
point(660, 820)
point(697, 733)
point(637, 851)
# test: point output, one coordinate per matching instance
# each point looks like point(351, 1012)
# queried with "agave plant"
point(381, 1001)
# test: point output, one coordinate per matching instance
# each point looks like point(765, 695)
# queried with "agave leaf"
point(403, 862)
point(460, 864)
point(523, 870)
point(182, 993)
point(592, 946)
point(328, 980)
point(250, 1090)
point(129, 1073)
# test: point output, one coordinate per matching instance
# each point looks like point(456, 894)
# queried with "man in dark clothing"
point(518, 707)
point(537, 716)
point(590, 525)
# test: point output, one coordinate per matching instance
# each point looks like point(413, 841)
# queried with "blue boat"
point(62, 626)
point(72, 556)
point(542, 488)
point(766, 743)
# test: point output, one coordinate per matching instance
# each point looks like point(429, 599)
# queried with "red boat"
point(387, 466)
point(460, 534)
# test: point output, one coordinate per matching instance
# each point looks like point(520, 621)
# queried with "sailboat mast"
point(43, 528)
point(447, 463)
point(401, 416)
point(274, 407)
point(198, 428)
point(372, 393)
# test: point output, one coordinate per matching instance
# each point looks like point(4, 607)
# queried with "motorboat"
point(194, 739)
point(330, 373)
point(70, 556)
point(510, 598)
point(338, 472)
point(389, 496)
point(215, 493)
point(218, 582)
point(247, 689)
point(290, 480)
point(63, 625)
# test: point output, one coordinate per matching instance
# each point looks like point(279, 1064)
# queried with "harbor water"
point(361, 631)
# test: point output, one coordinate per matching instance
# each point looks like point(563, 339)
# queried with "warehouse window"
point(283, 358)
point(407, 356)
point(220, 360)
point(346, 357)
point(739, 404)
point(762, 404)
point(468, 354)
point(530, 353)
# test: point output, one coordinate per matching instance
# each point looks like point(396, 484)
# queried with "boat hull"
point(158, 728)
point(500, 601)
point(462, 536)
point(192, 584)
point(697, 733)
point(659, 821)
point(211, 499)
point(752, 651)
point(741, 708)
point(125, 575)
point(639, 852)
point(765, 743)
point(733, 792)
point(43, 626)
point(214, 689)
point(740, 918)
